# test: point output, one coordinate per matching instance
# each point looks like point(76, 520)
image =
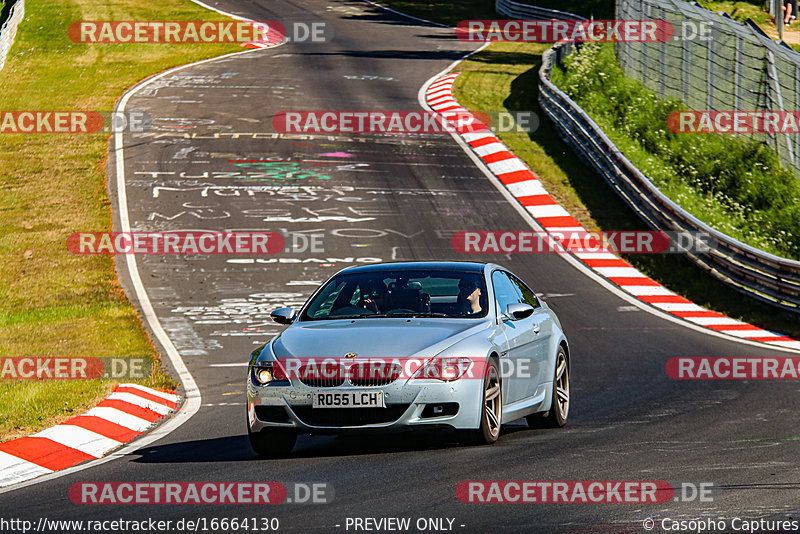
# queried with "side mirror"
point(283, 315)
point(519, 311)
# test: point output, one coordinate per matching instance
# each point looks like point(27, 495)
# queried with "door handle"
point(536, 328)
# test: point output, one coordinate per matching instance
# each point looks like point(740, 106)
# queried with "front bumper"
point(410, 403)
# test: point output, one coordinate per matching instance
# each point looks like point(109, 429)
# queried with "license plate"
point(348, 399)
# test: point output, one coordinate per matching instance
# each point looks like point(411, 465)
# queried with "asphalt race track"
point(397, 198)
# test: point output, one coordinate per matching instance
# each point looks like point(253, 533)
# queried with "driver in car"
point(373, 295)
point(469, 297)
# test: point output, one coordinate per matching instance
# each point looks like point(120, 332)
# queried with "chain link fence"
point(756, 273)
point(715, 63)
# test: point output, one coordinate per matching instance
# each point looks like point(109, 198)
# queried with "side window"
point(505, 291)
point(527, 294)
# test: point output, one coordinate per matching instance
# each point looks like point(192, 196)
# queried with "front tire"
point(491, 409)
point(272, 442)
point(556, 416)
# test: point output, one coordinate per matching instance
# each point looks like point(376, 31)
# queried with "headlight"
point(445, 369)
point(265, 373)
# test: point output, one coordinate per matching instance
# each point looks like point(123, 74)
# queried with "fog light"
point(444, 409)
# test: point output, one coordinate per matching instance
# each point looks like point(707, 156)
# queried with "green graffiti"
point(281, 170)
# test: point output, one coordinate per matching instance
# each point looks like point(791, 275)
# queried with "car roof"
point(455, 266)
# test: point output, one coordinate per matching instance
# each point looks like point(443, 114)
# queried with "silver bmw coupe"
point(382, 347)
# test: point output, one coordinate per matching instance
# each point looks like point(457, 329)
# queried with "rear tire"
point(272, 442)
point(491, 409)
point(556, 416)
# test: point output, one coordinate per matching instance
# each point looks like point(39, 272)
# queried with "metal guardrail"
point(754, 272)
point(525, 11)
point(9, 29)
point(759, 274)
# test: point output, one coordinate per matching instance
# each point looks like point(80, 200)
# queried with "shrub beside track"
point(734, 184)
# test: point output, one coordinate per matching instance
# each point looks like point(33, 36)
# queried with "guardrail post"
point(710, 74)
point(738, 75)
point(685, 68)
point(663, 70)
point(776, 88)
point(796, 106)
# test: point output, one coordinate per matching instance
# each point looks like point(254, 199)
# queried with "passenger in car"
point(469, 297)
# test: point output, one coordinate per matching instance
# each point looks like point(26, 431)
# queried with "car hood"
point(373, 338)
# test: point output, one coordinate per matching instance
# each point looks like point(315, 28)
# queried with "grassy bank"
point(53, 303)
point(505, 76)
point(736, 185)
point(741, 10)
point(757, 12)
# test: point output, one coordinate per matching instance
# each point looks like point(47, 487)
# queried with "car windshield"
point(402, 293)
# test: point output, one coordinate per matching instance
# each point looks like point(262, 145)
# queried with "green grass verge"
point(755, 10)
point(741, 10)
point(53, 303)
point(505, 76)
point(734, 184)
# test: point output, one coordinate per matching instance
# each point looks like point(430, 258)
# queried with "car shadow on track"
point(237, 448)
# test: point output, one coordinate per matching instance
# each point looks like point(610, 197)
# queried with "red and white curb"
point(523, 184)
point(272, 38)
point(125, 414)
